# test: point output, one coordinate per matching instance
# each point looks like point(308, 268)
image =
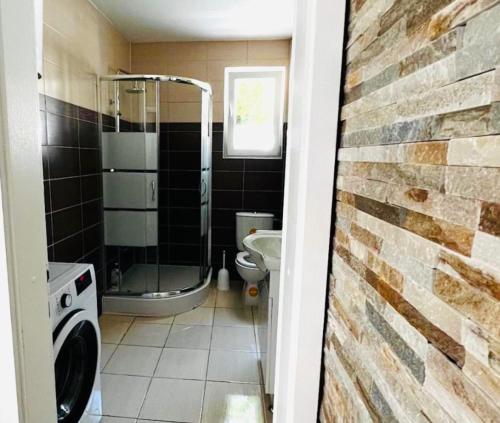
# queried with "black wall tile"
point(59, 107)
point(69, 250)
point(92, 213)
point(183, 198)
point(184, 161)
point(163, 234)
point(66, 222)
point(63, 162)
point(65, 193)
point(185, 235)
point(184, 126)
point(227, 199)
point(223, 236)
point(62, 130)
point(91, 187)
point(262, 200)
point(184, 254)
point(90, 161)
point(46, 194)
point(184, 141)
point(224, 218)
point(259, 181)
point(227, 180)
point(92, 238)
point(218, 163)
point(184, 216)
point(45, 162)
point(95, 258)
point(180, 179)
point(88, 134)
point(48, 227)
point(217, 138)
point(87, 115)
point(268, 165)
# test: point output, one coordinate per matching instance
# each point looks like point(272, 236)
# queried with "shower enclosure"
point(150, 270)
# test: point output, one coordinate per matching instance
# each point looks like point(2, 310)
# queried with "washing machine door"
point(76, 353)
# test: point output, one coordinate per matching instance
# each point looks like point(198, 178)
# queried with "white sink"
point(265, 248)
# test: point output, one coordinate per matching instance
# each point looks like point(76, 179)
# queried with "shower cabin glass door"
point(151, 246)
point(130, 187)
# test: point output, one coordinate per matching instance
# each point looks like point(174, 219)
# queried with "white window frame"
point(233, 73)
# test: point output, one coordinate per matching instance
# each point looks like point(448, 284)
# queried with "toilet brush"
point(223, 275)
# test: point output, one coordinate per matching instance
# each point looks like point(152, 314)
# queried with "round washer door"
point(76, 348)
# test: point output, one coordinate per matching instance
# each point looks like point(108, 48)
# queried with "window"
point(254, 100)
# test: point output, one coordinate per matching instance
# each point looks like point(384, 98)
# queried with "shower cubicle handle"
point(153, 191)
point(203, 187)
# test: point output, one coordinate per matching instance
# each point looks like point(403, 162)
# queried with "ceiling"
point(195, 20)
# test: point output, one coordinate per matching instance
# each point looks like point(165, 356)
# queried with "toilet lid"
point(244, 259)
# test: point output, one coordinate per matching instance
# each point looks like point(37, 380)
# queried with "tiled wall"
point(79, 44)
point(255, 185)
point(204, 61)
point(413, 328)
point(73, 183)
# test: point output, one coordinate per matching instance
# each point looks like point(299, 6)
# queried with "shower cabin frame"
point(165, 303)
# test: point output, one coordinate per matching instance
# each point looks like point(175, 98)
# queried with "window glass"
point(253, 121)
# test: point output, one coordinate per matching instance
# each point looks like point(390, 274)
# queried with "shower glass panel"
point(143, 255)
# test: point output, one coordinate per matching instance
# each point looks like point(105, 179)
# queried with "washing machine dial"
point(66, 300)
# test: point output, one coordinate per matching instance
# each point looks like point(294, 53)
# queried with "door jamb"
point(315, 84)
point(21, 179)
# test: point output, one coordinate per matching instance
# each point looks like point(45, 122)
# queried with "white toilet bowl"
point(247, 269)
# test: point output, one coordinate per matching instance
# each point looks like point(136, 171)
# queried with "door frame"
point(315, 83)
point(23, 254)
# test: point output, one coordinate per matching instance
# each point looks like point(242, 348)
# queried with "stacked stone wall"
point(413, 325)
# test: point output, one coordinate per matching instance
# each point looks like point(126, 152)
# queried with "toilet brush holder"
point(223, 275)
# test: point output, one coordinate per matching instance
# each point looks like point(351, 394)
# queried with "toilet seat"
point(244, 260)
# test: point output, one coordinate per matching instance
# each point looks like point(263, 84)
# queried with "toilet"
point(247, 223)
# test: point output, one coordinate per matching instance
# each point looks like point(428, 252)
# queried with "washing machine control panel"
point(64, 299)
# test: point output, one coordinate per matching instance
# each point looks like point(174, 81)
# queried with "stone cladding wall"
point(413, 325)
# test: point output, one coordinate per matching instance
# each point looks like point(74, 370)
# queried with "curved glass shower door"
point(156, 213)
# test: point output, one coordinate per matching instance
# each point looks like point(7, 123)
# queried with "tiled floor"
point(199, 366)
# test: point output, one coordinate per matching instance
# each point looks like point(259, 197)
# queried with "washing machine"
point(77, 341)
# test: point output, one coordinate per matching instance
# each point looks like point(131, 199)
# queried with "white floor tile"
point(232, 402)
point(134, 361)
point(233, 366)
point(108, 419)
point(157, 320)
point(173, 400)
point(210, 301)
point(107, 351)
point(189, 336)
point(233, 317)
point(233, 338)
point(146, 334)
point(181, 363)
point(113, 327)
point(122, 396)
point(230, 299)
point(198, 316)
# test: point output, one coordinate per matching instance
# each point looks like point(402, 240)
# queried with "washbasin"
point(265, 249)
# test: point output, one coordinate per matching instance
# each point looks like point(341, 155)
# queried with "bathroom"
point(249, 211)
point(142, 182)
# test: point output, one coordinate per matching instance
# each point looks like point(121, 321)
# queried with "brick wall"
point(413, 326)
